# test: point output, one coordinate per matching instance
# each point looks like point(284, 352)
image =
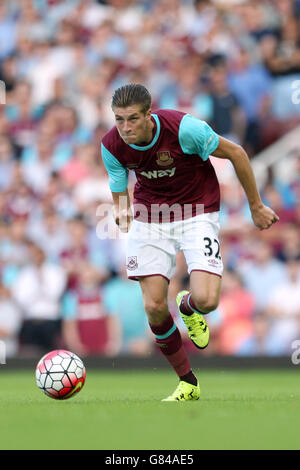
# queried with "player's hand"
point(264, 217)
point(123, 218)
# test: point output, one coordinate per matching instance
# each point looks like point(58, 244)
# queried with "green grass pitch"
point(122, 410)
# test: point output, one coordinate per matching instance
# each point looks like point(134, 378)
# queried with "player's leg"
point(167, 335)
point(202, 298)
point(151, 259)
point(201, 249)
point(204, 293)
point(155, 297)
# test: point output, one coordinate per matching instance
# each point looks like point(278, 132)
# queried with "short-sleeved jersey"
point(173, 169)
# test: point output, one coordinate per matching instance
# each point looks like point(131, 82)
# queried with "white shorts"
point(152, 248)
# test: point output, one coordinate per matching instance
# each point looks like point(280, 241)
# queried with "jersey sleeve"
point(118, 174)
point(197, 137)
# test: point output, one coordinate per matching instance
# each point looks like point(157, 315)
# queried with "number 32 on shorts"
point(212, 247)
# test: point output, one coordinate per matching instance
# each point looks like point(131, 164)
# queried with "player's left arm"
point(263, 216)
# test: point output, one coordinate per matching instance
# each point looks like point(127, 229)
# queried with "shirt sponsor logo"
point(164, 158)
point(159, 173)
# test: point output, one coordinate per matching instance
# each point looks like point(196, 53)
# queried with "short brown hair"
point(131, 94)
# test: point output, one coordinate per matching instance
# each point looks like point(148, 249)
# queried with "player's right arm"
point(263, 216)
point(121, 210)
point(118, 181)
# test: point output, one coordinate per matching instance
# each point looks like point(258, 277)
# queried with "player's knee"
point(206, 303)
point(156, 311)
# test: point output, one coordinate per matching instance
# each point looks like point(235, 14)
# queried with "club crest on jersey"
point(132, 263)
point(164, 158)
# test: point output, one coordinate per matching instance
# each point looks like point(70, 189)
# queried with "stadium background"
point(235, 64)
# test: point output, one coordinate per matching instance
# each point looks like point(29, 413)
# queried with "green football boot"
point(195, 323)
point(184, 392)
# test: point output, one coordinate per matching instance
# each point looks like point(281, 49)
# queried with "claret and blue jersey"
point(174, 168)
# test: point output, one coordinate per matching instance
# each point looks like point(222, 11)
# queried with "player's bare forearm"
point(121, 199)
point(263, 216)
point(121, 210)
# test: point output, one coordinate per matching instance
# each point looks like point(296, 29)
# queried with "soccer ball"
point(60, 374)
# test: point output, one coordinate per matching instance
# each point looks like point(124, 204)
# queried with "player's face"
point(134, 126)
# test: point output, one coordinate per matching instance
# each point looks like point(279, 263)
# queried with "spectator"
point(37, 163)
point(38, 290)
point(227, 118)
point(281, 199)
point(273, 195)
point(235, 215)
point(262, 275)
point(294, 183)
point(60, 123)
point(70, 130)
point(61, 198)
point(94, 187)
point(21, 114)
point(236, 310)
point(281, 57)
point(81, 167)
point(187, 91)
point(78, 251)
point(132, 334)
point(8, 30)
point(13, 250)
point(8, 74)
point(87, 327)
point(20, 199)
point(10, 322)
point(7, 163)
point(50, 233)
point(251, 84)
point(289, 244)
point(203, 18)
point(283, 310)
point(25, 47)
point(259, 342)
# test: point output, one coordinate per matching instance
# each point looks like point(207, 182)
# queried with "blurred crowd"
point(232, 63)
